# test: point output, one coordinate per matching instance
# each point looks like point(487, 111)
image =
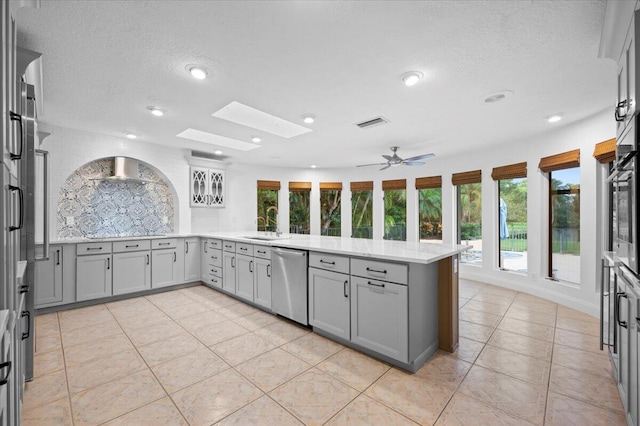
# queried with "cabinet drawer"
point(93, 248)
point(215, 281)
point(246, 249)
point(125, 246)
point(164, 243)
point(214, 257)
point(330, 262)
point(393, 272)
point(262, 251)
point(214, 244)
point(229, 246)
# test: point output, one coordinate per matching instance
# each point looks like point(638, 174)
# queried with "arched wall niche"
point(92, 208)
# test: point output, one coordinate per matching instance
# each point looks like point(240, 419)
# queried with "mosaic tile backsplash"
point(93, 208)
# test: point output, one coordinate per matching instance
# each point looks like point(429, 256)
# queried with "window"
point(512, 216)
point(564, 215)
point(469, 195)
point(267, 218)
point(330, 200)
point(362, 209)
point(299, 200)
point(605, 153)
point(430, 208)
point(395, 209)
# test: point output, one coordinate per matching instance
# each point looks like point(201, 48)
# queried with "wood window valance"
point(273, 185)
point(605, 152)
point(566, 160)
point(474, 176)
point(430, 182)
point(299, 186)
point(388, 185)
point(512, 171)
point(362, 186)
point(331, 186)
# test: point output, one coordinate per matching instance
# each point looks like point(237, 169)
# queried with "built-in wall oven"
point(625, 178)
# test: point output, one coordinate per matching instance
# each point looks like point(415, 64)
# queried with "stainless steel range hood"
point(125, 170)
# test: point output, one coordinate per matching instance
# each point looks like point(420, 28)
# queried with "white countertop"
point(403, 251)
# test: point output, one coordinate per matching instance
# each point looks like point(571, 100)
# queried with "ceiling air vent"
point(373, 122)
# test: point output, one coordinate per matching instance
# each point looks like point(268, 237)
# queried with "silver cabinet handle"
point(94, 248)
point(21, 198)
point(251, 266)
point(620, 322)
point(132, 246)
point(108, 263)
point(57, 257)
point(147, 259)
point(327, 262)
point(45, 202)
point(269, 270)
point(377, 271)
point(346, 282)
point(374, 284)
point(17, 117)
point(262, 252)
point(186, 244)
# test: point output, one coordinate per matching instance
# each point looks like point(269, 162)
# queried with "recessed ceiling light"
point(313, 166)
point(197, 72)
point(130, 135)
point(411, 78)
point(554, 118)
point(498, 96)
point(217, 152)
point(155, 111)
point(308, 118)
point(256, 139)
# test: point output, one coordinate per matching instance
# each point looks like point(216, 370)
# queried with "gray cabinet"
point(380, 317)
point(211, 262)
point(329, 302)
point(48, 279)
point(262, 282)
point(191, 260)
point(244, 277)
point(93, 276)
point(229, 272)
point(131, 272)
point(164, 268)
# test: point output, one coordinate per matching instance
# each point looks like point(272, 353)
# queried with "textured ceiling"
point(104, 62)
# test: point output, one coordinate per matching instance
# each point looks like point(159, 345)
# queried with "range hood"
point(125, 170)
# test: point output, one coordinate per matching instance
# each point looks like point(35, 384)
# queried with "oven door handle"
point(618, 297)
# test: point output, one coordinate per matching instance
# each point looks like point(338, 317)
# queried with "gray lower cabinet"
point(380, 317)
point(164, 268)
point(131, 272)
point(192, 259)
point(48, 279)
point(262, 282)
point(329, 302)
point(93, 276)
point(229, 272)
point(244, 277)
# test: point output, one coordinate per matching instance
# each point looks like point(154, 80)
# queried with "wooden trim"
point(362, 186)
point(388, 185)
point(331, 186)
point(430, 182)
point(299, 186)
point(605, 152)
point(474, 176)
point(273, 185)
point(448, 303)
point(565, 160)
point(511, 171)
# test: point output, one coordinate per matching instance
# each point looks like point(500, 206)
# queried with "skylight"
point(247, 116)
point(213, 139)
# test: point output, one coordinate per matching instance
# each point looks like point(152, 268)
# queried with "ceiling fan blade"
point(374, 164)
point(388, 157)
point(386, 167)
point(420, 157)
point(413, 163)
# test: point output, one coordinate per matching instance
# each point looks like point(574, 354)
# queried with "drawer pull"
point(24, 289)
point(134, 245)
point(374, 284)
point(377, 271)
point(243, 248)
point(262, 252)
point(327, 262)
point(164, 244)
point(5, 379)
point(28, 333)
point(214, 257)
point(94, 248)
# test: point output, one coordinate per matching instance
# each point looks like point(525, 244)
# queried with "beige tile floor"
point(195, 356)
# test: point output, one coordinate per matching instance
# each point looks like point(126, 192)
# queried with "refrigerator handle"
point(45, 203)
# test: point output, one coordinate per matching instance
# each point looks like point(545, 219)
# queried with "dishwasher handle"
point(284, 252)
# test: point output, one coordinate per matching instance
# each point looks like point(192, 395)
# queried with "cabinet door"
point(204, 264)
point(198, 188)
point(229, 272)
point(380, 317)
point(93, 275)
point(48, 279)
point(329, 305)
point(262, 281)
point(191, 259)
point(632, 410)
point(215, 195)
point(131, 272)
point(630, 59)
point(244, 277)
point(622, 323)
point(164, 268)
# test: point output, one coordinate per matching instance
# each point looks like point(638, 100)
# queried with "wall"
point(240, 211)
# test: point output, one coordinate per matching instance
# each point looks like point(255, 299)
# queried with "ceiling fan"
point(394, 160)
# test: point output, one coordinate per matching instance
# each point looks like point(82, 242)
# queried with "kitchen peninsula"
point(395, 300)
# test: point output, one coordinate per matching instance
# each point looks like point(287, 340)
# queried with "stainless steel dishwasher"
point(289, 284)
